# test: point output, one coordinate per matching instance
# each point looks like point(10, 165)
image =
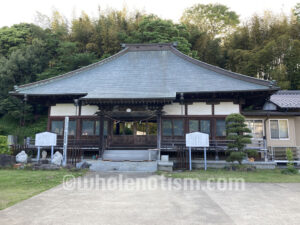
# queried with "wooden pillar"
point(49, 121)
point(101, 133)
point(158, 116)
point(78, 123)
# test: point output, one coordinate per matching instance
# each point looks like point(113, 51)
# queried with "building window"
point(193, 125)
point(279, 129)
point(173, 127)
point(57, 126)
point(105, 128)
point(92, 127)
point(178, 127)
point(72, 127)
point(220, 128)
point(87, 127)
point(205, 126)
point(199, 125)
point(167, 127)
point(97, 129)
point(256, 127)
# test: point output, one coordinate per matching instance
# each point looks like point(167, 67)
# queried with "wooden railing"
point(258, 144)
point(169, 145)
point(91, 143)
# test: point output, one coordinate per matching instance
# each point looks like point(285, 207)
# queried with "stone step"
point(107, 166)
point(129, 155)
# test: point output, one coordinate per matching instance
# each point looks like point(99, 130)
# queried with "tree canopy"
point(213, 19)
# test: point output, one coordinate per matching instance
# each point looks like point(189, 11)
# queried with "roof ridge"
point(287, 92)
point(71, 73)
point(149, 46)
point(225, 72)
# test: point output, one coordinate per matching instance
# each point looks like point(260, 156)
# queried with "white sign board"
point(197, 139)
point(45, 139)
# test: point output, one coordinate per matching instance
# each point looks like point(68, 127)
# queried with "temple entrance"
point(142, 134)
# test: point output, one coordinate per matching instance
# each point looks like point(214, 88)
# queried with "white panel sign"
point(45, 139)
point(197, 139)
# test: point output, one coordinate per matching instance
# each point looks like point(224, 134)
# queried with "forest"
point(265, 46)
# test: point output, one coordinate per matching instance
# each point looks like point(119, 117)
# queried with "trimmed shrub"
point(252, 153)
point(236, 156)
point(237, 132)
point(4, 149)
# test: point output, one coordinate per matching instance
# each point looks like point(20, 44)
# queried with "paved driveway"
point(101, 199)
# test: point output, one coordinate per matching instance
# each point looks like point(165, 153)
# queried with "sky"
point(16, 11)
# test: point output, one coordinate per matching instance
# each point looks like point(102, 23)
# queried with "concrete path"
point(100, 198)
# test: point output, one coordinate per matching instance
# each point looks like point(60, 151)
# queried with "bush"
point(252, 153)
point(290, 170)
point(290, 158)
point(236, 156)
point(4, 149)
point(240, 168)
point(290, 165)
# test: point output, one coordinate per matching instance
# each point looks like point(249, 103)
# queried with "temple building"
point(148, 96)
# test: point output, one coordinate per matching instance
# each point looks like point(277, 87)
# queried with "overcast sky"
point(16, 11)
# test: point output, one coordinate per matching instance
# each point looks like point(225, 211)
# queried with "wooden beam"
point(158, 116)
point(101, 133)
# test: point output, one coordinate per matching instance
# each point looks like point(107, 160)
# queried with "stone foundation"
point(199, 164)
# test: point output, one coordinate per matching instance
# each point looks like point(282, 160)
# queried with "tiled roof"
point(286, 99)
point(149, 71)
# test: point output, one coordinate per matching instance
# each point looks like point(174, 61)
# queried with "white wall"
point(89, 110)
point(63, 110)
point(199, 108)
point(226, 108)
point(297, 130)
point(174, 109)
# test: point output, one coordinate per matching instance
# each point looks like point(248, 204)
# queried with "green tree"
point(297, 11)
point(152, 29)
point(18, 36)
point(21, 67)
point(214, 19)
point(68, 58)
point(266, 47)
point(82, 31)
point(59, 25)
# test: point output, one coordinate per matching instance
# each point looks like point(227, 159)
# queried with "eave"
point(269, 113)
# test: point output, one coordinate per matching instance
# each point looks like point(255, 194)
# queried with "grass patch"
point(257, 176)
point(18, 185)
